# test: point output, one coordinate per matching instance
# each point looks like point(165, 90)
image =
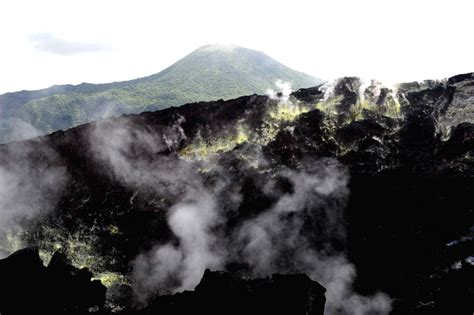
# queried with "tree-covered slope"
point(210, 72)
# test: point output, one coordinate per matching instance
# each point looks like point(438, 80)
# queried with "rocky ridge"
point(407, 151)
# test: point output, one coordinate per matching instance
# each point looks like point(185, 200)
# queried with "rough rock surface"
point(27, 287)
point(409, 151)
point(223, 293)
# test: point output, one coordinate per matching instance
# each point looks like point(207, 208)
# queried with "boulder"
point(28, 287)
point(225, 293)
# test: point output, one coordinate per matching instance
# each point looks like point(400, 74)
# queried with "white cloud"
point(50, 43)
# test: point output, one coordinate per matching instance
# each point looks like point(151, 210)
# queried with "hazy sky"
point(56, 42)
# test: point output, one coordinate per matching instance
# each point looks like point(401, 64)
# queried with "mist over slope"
point(365, 188)
point(209, 73)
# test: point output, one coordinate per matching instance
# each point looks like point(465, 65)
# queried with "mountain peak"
point(218, 48)
point(211, 72)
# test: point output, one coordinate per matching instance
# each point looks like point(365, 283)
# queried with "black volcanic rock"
point(224, 293)
point(411, 182)
point(308, 138)
point(348, 88)
point(28, 287)
point(461, 77)
point(309, 95)
point(22, 277)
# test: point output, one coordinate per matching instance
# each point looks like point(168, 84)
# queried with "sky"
point(68, 42)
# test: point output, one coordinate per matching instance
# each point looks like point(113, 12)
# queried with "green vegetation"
point(209, 73)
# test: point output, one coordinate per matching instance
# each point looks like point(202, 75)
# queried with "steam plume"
point(297, 233)
point(28, 188)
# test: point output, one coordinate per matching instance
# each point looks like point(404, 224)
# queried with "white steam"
point(285, 90)
point(174, 268)
point(199, 206)
point(367, 90)
point(119, 145)
point(28, 188)
point(268, 239)
point(14, 129)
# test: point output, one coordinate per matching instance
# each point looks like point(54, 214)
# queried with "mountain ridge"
point(208, 73)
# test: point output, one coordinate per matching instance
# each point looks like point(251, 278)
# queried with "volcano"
point(365, 188)
point(209, 73)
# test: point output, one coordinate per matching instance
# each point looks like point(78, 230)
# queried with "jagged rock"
point(309, 95)
point(28, 287)
point(461, 140)
point(73, 287)
point(411, 177)
point(224, 293)
point(348, 89)
point(465, 77)
point(22, 283)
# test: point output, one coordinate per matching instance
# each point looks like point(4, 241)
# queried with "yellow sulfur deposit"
point(287, 111)
point(80, 251)
point(114, 230)
point(110, 279)
point(390, 108)
point(201, 149)
point(329, 106)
